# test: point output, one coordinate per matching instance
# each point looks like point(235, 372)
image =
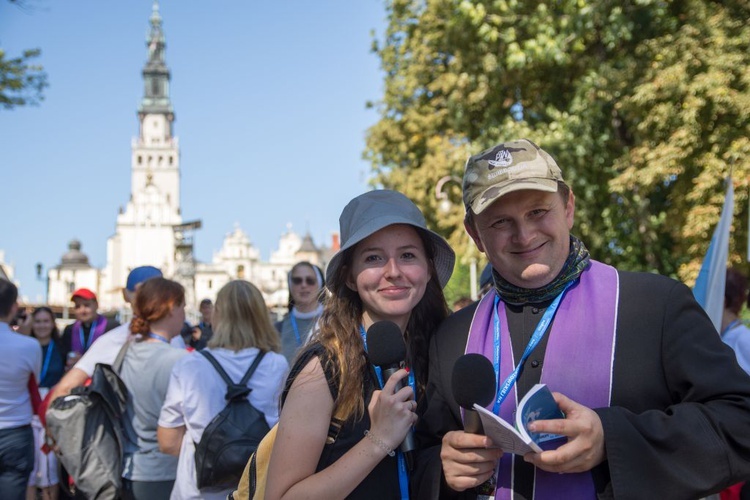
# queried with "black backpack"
point(232, 435)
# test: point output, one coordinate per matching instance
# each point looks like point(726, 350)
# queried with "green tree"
point(21, 82)
point(644, 103)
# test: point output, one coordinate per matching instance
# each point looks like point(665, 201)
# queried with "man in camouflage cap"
point(656, 405)
point(508, 167)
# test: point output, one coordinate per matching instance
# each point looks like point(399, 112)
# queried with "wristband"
point(381, 444)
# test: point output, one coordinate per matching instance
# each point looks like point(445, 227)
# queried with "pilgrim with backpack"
point(221, 401)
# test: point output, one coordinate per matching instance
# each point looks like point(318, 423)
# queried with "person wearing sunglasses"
point(305, 296)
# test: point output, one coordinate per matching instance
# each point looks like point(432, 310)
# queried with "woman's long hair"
point(241, 319)
point(340, 335)
point(154, 299)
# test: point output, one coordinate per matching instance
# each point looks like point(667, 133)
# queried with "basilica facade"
point(150, 229)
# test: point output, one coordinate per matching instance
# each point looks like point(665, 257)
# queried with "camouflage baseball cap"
point(508, 167)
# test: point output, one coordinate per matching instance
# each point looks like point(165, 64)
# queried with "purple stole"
point(97, 330)
point(577, 363)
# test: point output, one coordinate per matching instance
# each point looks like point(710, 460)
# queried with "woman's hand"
point(392, 413)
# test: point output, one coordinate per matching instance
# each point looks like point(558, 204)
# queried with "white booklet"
point(537, 404)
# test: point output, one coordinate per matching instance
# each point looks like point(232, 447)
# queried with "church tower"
point(145, 228)
point(155, 157)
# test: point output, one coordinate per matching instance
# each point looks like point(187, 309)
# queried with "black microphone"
point(387, 349)
point(473, 381)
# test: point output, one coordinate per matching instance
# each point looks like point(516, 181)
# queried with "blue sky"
point(270, 105)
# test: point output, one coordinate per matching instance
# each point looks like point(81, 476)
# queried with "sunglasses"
point(296, 280)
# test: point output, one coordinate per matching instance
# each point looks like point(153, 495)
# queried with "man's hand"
point(72, 359)
point(585, 447)
point(468, 459)
point(197, 332)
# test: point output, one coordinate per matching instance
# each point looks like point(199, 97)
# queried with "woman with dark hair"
point(159, 313)
point(734, 332)
point(305, 282)
point(242, 331)
point(43, 328)
point(390, 268)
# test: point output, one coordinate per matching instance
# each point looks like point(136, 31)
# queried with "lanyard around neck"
point(293, 320)
point(47, 359)
point(403, 476)
point(86, 345)
point(539, 332)
point(158, 337)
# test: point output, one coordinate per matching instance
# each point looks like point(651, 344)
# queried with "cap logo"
point(502, 159)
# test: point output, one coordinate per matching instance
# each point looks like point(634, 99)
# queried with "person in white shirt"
point(104, 350)
point(196, 391)
point(22, 359)
point(734, 332)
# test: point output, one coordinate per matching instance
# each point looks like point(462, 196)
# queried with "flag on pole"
point(709, 287)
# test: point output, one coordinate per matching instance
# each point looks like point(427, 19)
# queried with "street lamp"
point(444, 205)
point(39, 269)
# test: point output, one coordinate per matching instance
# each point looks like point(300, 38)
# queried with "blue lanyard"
point(158, 337)
point(47, 359)
point(403, 476)
point(295, 328)
point(84, 345)
point(539, 332)
point(730, 326)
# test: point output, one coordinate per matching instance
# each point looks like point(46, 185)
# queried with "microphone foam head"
point(385, 343)
point(473, 381)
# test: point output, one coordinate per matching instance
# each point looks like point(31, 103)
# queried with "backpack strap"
point(117, 365)
point(251, 370)
point(234, 391)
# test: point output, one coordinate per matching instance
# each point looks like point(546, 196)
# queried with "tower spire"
point(156, 75)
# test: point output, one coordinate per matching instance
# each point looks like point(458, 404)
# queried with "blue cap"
point(141, 274)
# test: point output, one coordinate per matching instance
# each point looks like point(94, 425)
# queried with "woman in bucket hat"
point(339, 433)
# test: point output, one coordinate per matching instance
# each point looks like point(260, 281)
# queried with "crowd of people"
point(656, 401)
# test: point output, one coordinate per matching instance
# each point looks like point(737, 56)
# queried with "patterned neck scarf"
point(577, 260)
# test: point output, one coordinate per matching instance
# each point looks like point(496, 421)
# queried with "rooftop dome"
point(74, 257)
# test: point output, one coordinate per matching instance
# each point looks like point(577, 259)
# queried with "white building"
point(144, 233)
point(150, 229)
point(239, 259)
point(73, 272)
point(6, 270)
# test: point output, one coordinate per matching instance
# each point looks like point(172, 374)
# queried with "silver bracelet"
point(372, 437)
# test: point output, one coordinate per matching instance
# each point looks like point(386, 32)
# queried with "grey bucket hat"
point(370, 212)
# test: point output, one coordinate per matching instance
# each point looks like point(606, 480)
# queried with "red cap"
point(84, 293)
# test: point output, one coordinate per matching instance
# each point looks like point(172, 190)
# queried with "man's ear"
point(470, 227)
point(570, 210)
point(13, 311)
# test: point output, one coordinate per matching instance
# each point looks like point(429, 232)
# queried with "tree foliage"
point(644, 103)
point(21, 82)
